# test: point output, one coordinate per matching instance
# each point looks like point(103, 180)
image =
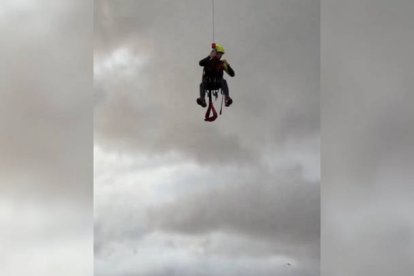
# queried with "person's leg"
point(224, 87)
point(201, 100)
point(228, 101)
point(202, 90)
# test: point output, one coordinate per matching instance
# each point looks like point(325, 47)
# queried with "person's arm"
point(204, 61)
point(228, 68)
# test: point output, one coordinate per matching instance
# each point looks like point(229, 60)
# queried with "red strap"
point(208, 117)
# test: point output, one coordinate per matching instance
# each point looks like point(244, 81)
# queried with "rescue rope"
point(222, 100)
point(212, 9)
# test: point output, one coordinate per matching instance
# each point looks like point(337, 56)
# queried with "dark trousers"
point(222, 84)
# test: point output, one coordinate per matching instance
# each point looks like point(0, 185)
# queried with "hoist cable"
point(212, 8)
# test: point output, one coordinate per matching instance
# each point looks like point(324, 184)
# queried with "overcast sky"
point(367, 137)
point(45, 138)
point(175, 195)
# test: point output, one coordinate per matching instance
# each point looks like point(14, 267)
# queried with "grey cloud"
point(45, 138)
point(42, 112)
point(275, 88)
point(367, 116)
point(272, 210)
point(145, 106)
point(161, 255)
point(227, 221)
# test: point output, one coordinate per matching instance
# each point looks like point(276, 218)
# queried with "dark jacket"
point(213, 69)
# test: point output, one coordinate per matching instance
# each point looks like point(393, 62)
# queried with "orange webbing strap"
point(212, 117)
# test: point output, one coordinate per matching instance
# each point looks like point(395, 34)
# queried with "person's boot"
point(201, 101)
point(227, 101)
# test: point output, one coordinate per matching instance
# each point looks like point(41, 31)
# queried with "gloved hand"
point(225, 64)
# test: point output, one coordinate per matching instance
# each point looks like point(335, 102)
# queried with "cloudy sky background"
point(367, 137)
point(46, 156)
point(46, 149)
point(177, 196)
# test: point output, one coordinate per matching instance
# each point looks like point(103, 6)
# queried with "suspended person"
point(213, 75)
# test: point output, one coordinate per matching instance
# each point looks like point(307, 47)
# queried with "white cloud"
point(119, 61)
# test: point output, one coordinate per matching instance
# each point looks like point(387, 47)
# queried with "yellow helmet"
point(219, 48)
